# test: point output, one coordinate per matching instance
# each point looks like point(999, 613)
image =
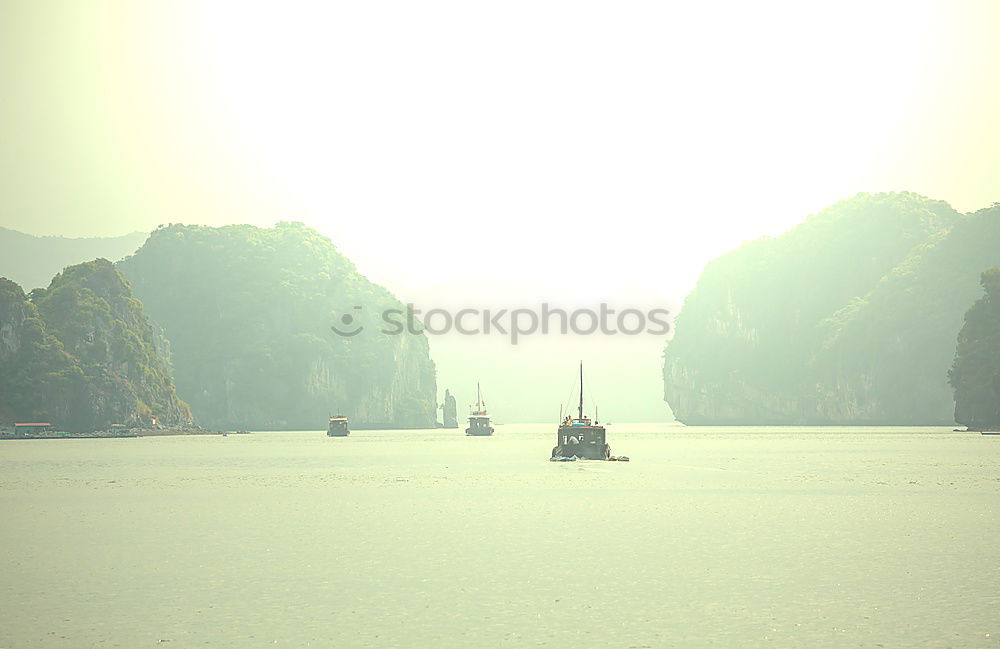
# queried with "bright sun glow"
point(531, 128)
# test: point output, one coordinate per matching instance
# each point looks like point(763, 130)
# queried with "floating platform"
point(72, 436)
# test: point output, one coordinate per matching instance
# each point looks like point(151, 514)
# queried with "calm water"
point(752, 537)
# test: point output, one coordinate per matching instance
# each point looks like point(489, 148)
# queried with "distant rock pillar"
point(450, 407)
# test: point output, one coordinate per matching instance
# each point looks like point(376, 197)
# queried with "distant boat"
point(581, 437)
point(338, 427)
point(479, 419)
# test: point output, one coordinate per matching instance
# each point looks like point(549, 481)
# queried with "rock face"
point(450, 411)
point(39, 381)
point(849, 318)
point(81, 355)
point(975, 374)
point(273, 329)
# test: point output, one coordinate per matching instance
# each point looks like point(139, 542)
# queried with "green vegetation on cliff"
point(249, 311)
point(38, 379)
point(975, 374)
point(82, 354)
point(848, 318)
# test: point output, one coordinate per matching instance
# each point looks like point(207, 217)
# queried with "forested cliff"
point(248, 312)
point(975, 373)
point(849, 318)
point(81, 354)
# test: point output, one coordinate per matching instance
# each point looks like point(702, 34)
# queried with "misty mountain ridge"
point(32, 261)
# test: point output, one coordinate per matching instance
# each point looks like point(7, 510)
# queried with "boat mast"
point(479, 397)
point(581, 390)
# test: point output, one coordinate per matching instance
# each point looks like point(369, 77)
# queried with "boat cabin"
point(581, 438)
point(479, 419)
point(581, 431)
point(479, 424)
point(338, 427)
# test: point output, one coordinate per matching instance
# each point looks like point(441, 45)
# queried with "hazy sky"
point(502, 152)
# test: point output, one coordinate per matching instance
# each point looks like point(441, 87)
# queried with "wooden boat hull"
point(587, 451)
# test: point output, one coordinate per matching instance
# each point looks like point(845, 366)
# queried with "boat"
point(581, 437)
point(479, 419)
point(338, 427)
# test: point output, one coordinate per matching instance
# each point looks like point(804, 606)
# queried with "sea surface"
point(709, 537)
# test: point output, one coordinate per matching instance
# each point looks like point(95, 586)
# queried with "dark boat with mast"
point(338, 427)
point(581, 437)
point(479, 419)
